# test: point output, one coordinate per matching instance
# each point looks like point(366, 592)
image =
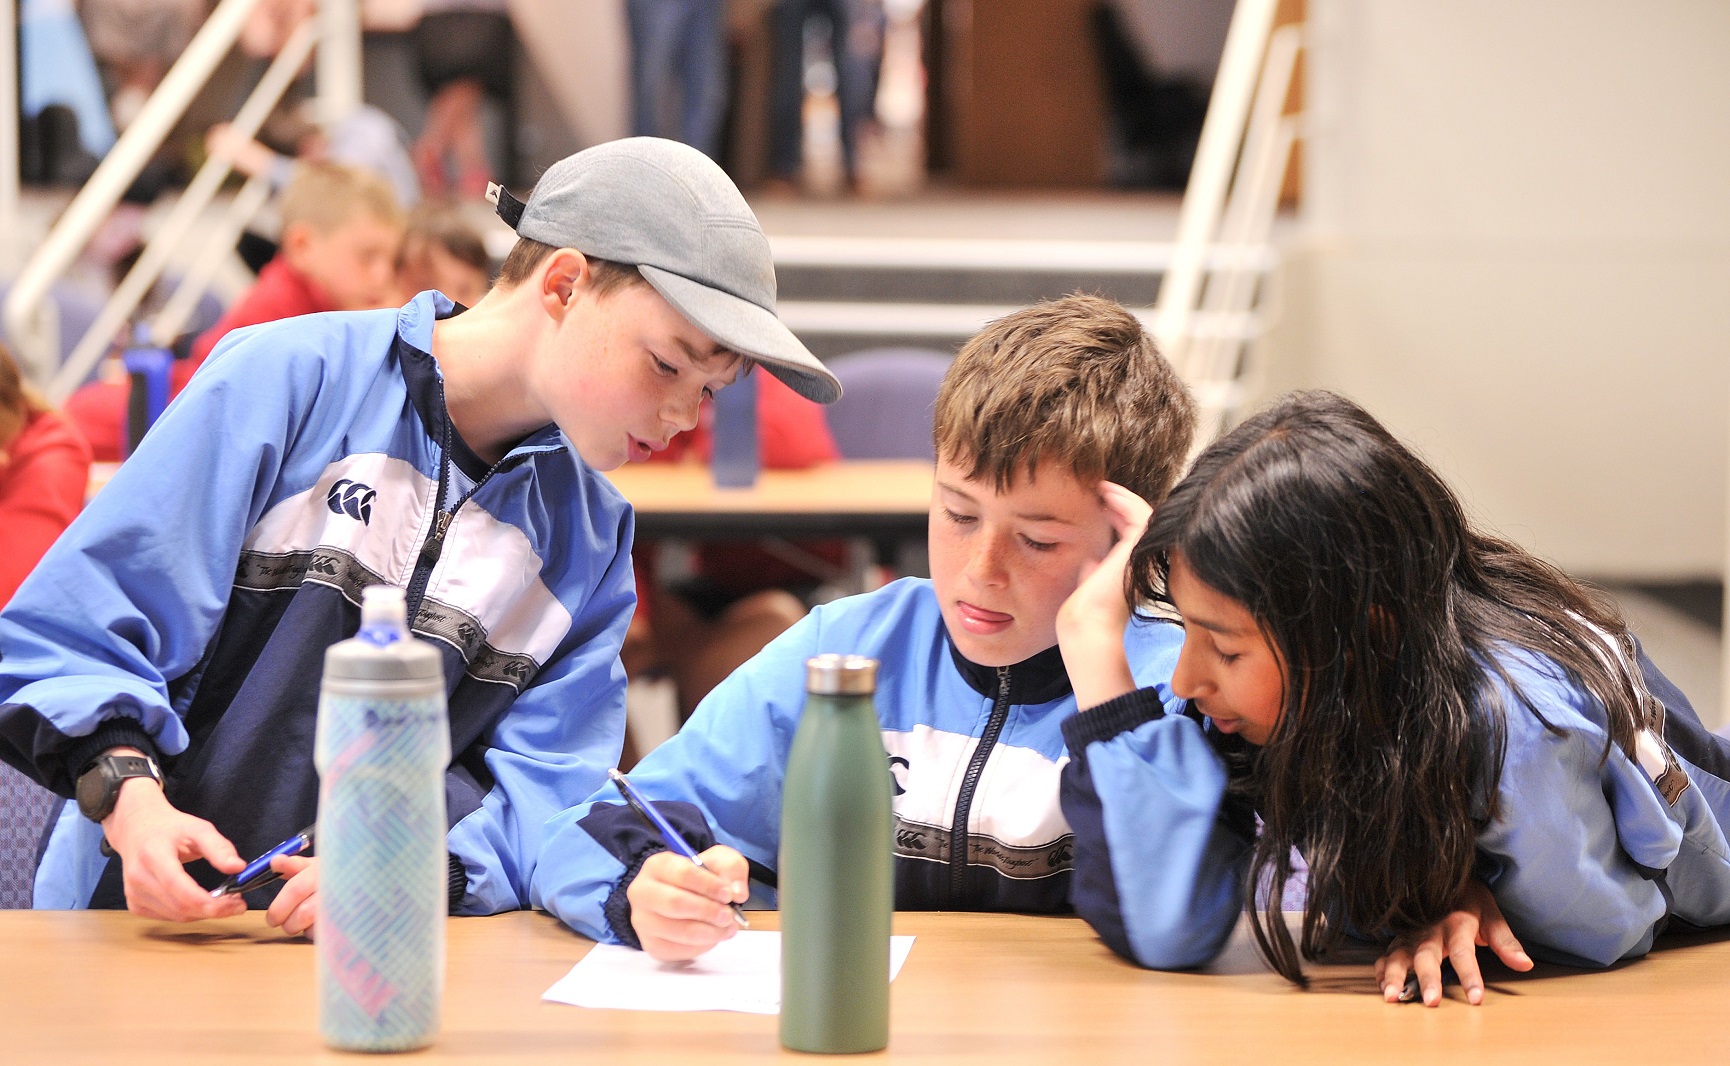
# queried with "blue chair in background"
point(27, 812)
point(886, 405)
point(77, 309)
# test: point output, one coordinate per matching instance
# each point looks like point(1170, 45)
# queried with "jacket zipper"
point(958, 842)
point(434, 545)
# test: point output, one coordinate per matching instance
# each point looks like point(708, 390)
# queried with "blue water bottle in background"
point(382, 746)
point(148, 366)
point(734, 459)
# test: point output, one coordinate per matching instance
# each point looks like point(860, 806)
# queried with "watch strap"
point(122, 767)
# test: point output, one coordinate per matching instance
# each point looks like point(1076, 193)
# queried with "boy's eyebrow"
point(703, 359)
point(1022, 515)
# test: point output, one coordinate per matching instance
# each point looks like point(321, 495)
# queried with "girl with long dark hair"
point(1460, 741)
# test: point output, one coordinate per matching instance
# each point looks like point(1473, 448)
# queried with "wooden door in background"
point(1024, 104)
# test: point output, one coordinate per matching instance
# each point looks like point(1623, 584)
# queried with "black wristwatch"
point(99, 786)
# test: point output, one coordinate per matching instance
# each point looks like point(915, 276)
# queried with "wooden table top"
point(81, 986)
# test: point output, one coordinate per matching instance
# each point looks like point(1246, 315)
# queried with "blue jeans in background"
point(856, 36)
point(679, 67)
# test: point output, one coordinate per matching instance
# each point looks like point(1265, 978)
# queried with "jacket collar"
point(414, 331)
point(1038, 679)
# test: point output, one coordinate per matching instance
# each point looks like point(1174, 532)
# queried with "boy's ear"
point(565, 272)
point(297, 238)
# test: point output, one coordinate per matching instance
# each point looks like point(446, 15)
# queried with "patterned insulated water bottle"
point(836, 870)
point(382, 747)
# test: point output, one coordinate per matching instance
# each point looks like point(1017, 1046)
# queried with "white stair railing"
point(28, 311)
point(1228, 209)
point(1214, 360)
point(9, 198)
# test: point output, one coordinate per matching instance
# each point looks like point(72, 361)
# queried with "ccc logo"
point(353, 499)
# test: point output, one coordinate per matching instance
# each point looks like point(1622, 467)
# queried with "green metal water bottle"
point(836, 885)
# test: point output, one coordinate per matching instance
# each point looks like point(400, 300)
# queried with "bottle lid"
point(384, 606)
point(382, 650)
point(836, 675)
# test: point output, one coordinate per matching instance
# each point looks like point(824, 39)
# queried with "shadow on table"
point(205, 935)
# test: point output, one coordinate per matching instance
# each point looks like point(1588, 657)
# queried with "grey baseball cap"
point(668, 210)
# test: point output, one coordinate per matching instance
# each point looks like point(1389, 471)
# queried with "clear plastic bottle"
point(836, 882)
point(382, 746)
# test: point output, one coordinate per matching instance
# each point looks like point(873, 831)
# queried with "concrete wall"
point(1516, 251)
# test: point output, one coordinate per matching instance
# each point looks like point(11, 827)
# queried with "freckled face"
point(1002, 563)
point(1227, 667)
point(625, 372)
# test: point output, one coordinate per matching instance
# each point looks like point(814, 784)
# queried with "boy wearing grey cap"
point(161, 664)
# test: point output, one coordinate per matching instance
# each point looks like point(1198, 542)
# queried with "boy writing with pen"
point(162, 662)
point(1037, 411)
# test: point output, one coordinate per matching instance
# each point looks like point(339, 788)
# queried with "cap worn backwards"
point(668, 210)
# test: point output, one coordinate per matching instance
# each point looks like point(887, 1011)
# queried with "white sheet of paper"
point(741, 974)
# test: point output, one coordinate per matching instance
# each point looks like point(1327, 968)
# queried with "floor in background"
point(1675, 624)
point(940, 212)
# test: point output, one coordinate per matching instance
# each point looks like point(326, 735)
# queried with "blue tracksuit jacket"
point(187, 610)
point(976, 755)
point(1588, 858)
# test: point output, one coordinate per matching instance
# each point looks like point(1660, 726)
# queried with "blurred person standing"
point(135, 42)
point(465, 53)
point(854, 40)
point(679, 70)
point(44, 468)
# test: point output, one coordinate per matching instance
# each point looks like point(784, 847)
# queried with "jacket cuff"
point(1112, 717)
point(113, 733)
point(618, 905)
point(456, 882)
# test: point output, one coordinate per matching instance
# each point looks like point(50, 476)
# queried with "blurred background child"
point(44, 468)
point(441, 250)
point(340, 230)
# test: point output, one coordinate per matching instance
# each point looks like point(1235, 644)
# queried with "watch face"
point(93, 790)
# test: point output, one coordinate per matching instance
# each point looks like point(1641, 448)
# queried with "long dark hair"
point(1386, 608)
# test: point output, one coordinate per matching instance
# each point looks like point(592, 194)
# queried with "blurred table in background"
point(878, 499)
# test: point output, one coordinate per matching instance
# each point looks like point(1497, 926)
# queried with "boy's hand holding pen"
point(259, 872)
point(295, 908)
point(682, 903)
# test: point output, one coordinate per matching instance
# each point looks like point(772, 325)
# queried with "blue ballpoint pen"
point(676, 843)
point(258, 873)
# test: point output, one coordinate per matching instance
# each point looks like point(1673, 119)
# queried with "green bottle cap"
point(840, 675)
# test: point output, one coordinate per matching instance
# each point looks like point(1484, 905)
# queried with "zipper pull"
point(435, 543)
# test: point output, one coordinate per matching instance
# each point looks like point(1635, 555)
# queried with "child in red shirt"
point(44, 467)
point(340, 231)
